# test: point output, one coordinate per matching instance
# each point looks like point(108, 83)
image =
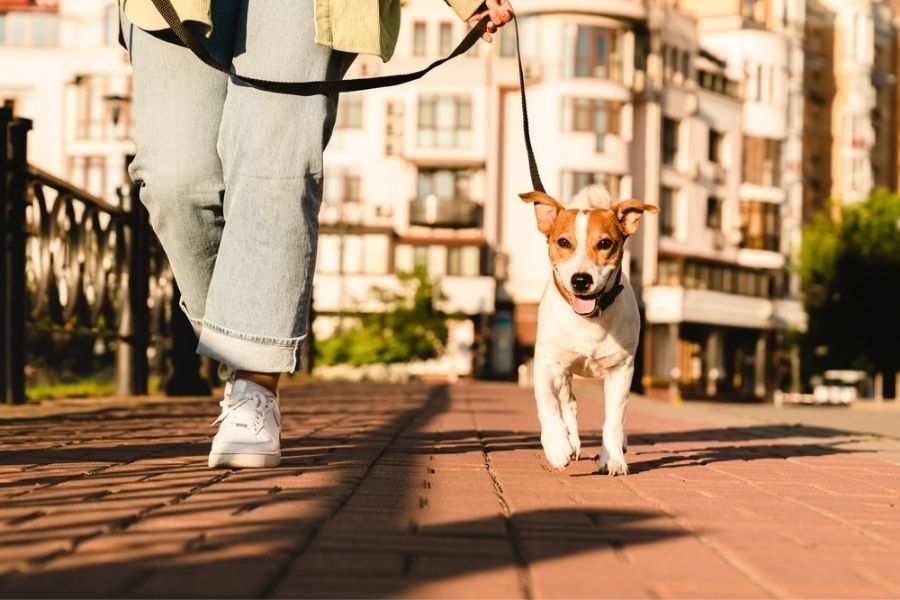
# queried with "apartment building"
point(735, 117)
point(851, 100)
point(62, 67)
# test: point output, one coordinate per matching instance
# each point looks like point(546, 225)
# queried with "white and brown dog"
point(588, 323)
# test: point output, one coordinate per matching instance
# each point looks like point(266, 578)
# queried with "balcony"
point(432, 211)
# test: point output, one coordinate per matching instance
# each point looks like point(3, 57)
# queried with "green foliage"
point(851, 279)
point(410, 328)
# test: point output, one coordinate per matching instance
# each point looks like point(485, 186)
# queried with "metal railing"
point(73, 262)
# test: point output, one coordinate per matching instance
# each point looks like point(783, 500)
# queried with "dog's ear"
point(629, 212)
point(545, 209)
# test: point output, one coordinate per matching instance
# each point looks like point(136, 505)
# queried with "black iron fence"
point(72, 262)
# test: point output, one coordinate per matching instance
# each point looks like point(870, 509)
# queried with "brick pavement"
point(437, 491)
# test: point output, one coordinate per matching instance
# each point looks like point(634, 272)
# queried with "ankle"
point(267, 380)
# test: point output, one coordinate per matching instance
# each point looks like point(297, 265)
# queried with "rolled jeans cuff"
point(243, 352)
point(196, 324)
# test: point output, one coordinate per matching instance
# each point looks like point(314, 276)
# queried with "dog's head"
point(586, 245)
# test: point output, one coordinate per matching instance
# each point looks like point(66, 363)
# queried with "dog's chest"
point(586, 347)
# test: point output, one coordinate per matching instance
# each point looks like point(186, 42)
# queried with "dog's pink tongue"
point(584, 306)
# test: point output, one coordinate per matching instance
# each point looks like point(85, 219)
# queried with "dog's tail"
point(593, 196)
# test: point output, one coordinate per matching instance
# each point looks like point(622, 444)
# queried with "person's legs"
point(271, 147)
point(178, 103)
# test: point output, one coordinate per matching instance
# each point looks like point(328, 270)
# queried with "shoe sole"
point(244, 461)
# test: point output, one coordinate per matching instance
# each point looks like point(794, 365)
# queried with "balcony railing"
point(432, 211)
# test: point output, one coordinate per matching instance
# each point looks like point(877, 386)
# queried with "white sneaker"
point(250, 431)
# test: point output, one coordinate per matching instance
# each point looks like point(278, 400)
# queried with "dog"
point(588, 321)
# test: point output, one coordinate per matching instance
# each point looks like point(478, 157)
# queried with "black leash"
point(312, 88)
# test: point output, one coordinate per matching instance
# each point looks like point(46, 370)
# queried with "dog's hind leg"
point(548, 383)
point(569, 409)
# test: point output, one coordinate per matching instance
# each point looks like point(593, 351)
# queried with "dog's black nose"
point(581, 282)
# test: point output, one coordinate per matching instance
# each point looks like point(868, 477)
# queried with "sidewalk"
point(442, 491)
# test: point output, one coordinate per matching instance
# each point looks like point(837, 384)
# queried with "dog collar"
point(604, 299)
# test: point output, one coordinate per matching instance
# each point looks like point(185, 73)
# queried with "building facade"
point(738, 118)
point(62, 66)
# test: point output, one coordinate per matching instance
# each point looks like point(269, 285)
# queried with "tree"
point(410, 327)
point(850, 269)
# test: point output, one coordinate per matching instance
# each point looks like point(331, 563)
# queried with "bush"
point(409, 328)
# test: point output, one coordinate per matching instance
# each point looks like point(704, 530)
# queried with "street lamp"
point(116, 103)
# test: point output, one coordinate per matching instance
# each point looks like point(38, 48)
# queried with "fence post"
point(14, 242)
point(139, 284)
point(132, 368)
point(5, 118)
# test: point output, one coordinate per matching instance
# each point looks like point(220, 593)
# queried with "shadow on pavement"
point(121, 503)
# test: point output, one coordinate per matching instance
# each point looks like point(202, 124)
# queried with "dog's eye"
point(604, 244)
point(563, 243)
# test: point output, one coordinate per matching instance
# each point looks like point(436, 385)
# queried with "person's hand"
point(501, 13)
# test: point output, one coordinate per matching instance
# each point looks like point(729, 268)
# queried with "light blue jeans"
point(232, 176)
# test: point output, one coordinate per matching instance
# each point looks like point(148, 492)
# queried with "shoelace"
point(247, 410)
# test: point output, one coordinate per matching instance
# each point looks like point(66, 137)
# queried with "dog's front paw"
point(610, 465)
point(575, 443)
point(557, 449)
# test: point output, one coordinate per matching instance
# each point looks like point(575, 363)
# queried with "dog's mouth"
point(585, 305)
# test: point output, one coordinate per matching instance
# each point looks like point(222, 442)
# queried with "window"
point(341, 186)
point(717, 82)
point(762, 161)
point(445, 121)
point(591, 115)
point(575, 181)
point(349, 114)
point(718, 277)
point(714, 148)
point(714, 213)
point(91, 173)
point(667, 211)
point(36, 29)
point(641, 47)
point(438, 259)
point(353, 254)
point(590, 51)
point(759, 83)
point(419, 38)
point(669, 141)
point(446, 184)
point(668, 271)
point(102, 107)
point(686, 65)
point(445, 39)
point(761, 226)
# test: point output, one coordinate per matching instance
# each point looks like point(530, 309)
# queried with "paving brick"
point(432, 491)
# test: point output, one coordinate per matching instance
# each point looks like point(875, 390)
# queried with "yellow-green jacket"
point(361, 26)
